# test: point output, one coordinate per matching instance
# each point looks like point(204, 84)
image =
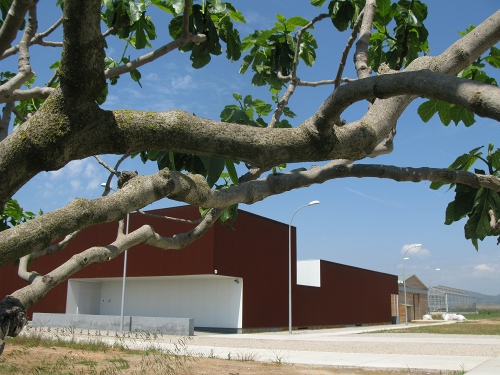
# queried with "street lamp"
point(290, 265)
point(124, 278)
point(404, 278)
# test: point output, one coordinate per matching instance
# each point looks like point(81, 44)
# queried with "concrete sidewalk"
point(470, 364)
point(280, 347)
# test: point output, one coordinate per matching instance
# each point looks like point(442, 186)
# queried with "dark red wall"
point(257, 250)
point(348, 295)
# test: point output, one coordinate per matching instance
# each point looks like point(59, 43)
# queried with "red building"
point(232, 279)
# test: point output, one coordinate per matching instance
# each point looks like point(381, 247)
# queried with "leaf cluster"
point(474, 203)
point(409, 35)
point(12, 214)
point(214, 19)
point(127, 20)
point(272, 52)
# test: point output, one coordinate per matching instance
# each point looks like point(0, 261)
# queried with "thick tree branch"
point(82, 58)
point(132, 131)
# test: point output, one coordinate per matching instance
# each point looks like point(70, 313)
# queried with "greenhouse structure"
point(446, 299)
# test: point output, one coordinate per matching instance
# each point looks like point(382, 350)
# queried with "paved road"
point(348, 347)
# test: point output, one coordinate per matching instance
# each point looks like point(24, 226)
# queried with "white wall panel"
point(213, 301)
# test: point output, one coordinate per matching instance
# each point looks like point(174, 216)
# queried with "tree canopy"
point(242, 157)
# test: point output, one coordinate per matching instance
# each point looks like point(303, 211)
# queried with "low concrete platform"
point(164, 325)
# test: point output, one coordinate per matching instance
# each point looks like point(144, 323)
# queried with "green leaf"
point(308, 49)
point(341, 13)
point(461, 114)
point(175, 27)
point(428, 109)
point(136, 76)
point(494, 57)
point(166, 6)
point(294, 22)
point(317, 3)
point(462, 205)
point(135, 10)
point(200, 56)
point(466, 161)
point(229, 215)
point(235, 14)
point(102, 97)
point(444, 112)
point(231, 170)
point(280, 18)
point(214, 168)
point(383, 14)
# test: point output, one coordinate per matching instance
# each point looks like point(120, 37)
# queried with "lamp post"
point(124, 278)
point(429, 272)
point(404, 278)
point(290, 265)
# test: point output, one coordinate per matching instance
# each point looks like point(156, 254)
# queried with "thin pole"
point(124, 278)
point(290, 265)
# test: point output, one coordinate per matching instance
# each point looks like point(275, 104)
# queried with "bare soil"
point(59, 360)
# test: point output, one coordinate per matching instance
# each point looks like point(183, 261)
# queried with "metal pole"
point(290, 265)
point(124, 278)
point(404, 288)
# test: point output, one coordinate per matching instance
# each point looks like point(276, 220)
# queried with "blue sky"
point(366, 223)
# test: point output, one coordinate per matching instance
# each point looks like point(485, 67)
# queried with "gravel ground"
point(385, 343)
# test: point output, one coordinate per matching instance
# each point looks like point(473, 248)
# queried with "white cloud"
point(415, 250)
point(183, 83)
point(483, 268)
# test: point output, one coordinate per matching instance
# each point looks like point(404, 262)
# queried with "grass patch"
point(485, 313)
point(35, 340)
point(121, 363)
point(35, 354)
point(462, 328)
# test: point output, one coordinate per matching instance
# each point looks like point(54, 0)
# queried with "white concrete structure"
point(212, 300)
point(309, 272)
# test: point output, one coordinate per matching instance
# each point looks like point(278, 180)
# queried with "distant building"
point(446, 299)
point(233, 280)
point(416, 298)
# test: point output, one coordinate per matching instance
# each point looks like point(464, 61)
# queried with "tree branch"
point(37, 39)
point(12, 22)
point(142, 190)
point(23, 66)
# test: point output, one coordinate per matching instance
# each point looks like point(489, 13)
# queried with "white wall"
point(83, 297)
point(213, 301)
point(309, 272)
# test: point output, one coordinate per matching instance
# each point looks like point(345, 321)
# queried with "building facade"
point(232, 279)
